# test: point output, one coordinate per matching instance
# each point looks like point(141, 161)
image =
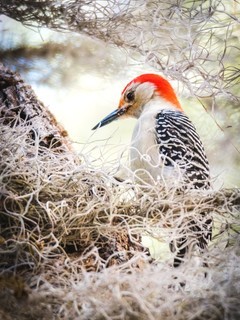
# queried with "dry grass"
point(70, 234)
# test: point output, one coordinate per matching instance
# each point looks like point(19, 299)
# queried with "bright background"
point(89, 88)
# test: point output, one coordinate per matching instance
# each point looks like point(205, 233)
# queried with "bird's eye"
point(130, 96)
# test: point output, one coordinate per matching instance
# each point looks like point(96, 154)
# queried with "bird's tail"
point(197, 232)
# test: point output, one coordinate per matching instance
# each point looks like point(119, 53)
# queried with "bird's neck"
point(157, 104)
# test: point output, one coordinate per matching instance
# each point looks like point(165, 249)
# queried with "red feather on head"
point(163, 87)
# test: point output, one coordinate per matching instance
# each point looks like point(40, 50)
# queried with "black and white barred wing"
point(180, 145)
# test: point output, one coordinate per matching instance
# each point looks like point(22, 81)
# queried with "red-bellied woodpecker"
point(165, 145)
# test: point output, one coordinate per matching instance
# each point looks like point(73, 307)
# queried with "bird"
point(165, 147)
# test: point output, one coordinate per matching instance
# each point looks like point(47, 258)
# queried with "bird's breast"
point(145, 158)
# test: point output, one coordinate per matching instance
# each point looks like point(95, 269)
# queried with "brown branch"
point(19, 104)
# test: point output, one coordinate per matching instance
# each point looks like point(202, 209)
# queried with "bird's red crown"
point(163, 87)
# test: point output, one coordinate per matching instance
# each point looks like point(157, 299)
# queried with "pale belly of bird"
point(148, 165)
point(150, 168)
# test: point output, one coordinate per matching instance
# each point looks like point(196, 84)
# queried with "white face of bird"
point(135, 97)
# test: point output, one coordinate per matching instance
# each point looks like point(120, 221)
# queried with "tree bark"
point(31, 134)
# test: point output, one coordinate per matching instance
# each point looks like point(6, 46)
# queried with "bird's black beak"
point(111, 117)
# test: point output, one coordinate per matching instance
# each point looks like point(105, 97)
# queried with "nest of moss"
point(71, 235)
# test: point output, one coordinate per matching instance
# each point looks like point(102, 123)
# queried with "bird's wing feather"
point(180, 144)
